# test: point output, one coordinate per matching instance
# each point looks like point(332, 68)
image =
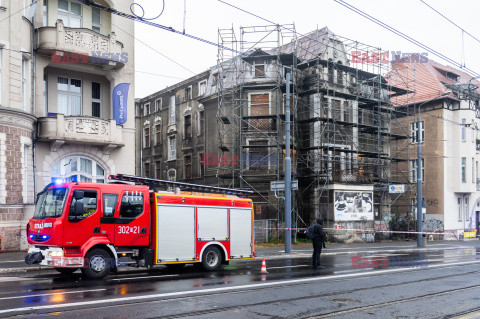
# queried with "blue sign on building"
point(119, 101)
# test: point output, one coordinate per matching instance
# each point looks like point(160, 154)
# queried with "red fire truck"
point(100, 227)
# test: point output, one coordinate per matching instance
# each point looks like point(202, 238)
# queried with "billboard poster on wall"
point(353, 206)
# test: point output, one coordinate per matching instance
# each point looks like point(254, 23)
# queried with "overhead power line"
point(157, 25)
point(404, 36)
point(443, 16)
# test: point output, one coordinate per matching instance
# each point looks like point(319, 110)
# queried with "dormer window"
point(449, 75)
point(71, 13)
point(259, 69)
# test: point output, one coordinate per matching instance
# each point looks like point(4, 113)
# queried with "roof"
point(309, 46)
point(428, 80)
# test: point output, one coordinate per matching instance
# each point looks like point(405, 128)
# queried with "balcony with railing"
point(80, 130)
point(80, 45)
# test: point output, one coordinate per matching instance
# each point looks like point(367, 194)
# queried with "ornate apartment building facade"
point(226, 126)
point(60, 62)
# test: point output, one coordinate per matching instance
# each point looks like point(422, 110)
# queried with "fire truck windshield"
point(50, 203)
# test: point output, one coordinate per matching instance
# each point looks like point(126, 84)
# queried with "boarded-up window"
point(259, 67)
point(258, 155)
point(260, 107)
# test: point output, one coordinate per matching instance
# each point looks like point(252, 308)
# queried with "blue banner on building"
point(119, 101)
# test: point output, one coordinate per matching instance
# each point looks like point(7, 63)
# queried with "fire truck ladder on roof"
point(156, 183)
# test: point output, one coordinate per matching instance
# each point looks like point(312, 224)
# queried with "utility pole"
point(419, 183)
point(288, 173)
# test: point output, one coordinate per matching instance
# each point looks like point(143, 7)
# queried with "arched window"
point(80, 169)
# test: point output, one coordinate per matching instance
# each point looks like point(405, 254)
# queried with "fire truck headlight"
point(55, 253)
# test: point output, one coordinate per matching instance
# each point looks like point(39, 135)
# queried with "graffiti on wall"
point(432, 225)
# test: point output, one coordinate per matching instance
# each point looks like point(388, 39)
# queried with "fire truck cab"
point(101, 227)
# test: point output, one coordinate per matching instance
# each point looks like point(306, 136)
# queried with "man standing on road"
point(318, 242)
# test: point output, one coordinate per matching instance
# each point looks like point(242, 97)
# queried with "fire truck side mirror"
point(78, 209)
point(78, 195)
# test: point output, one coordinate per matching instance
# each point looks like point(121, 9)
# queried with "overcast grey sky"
point(204, 17)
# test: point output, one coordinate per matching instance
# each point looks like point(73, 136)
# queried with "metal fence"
point(265, 230)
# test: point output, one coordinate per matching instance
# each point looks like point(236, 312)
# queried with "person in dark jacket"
point(318, 242)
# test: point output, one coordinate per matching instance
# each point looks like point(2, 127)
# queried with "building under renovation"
point(226, 126)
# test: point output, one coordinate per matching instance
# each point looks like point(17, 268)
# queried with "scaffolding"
point(345, 129)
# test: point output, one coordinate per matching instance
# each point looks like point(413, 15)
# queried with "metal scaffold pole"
point(288, 174)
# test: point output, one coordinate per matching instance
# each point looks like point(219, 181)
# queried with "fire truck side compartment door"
point(241, 245)
point(175, 233)
point(212, 223)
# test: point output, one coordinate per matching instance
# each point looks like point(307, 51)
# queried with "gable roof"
point(427, 79)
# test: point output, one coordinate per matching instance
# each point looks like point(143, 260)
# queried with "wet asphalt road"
point(440, 281)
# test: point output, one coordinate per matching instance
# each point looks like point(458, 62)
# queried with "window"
point(158, 105)
point(146, 169)
point(201, 123)
point(258, 157)
point(146, 109)
point(132, 205)
point(158, 169)
point(1, 61)
point(172, 148)
point(89, 202)
point(158, 134)
point(473, 170)
point(172, 111)
point(109, 204)
point(45, 94)
point(464, 169)
point(330, 73)
point(26, 7)
point(24, 84)
point(188, 126)
point(215, 79)
point(464, 128)
point(414, 132)
point(96, 99)
point(413, 167)
point(172, 175)
point(146, 141)
point(202, 87)
point(259, 105)
point(259, 69)
point(459, 204)
point(339, 77)
point(188, 167)
point(201, 172)
point(78, 169)
point(71, 13)
point(465, 214)
point(188, 93)
point(69, 96)
point(45, 13)
point(96, 20)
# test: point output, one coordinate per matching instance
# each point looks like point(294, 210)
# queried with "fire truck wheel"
point(211, 258)
point(98, 264)
point(66, 271)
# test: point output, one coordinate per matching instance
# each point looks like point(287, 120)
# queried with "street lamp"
point(420, 242)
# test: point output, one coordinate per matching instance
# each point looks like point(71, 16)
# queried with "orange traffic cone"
point(264, 266)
